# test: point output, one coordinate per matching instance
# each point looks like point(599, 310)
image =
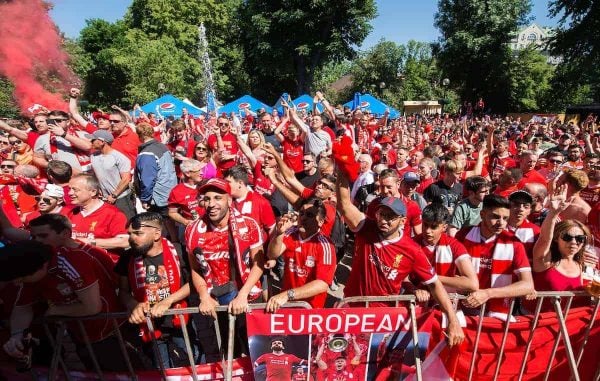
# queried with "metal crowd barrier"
point(561, 315)
point(227, 361)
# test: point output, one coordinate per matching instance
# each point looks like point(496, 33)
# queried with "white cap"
point(53, 190)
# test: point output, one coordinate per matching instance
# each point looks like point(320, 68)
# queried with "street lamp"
point(381, 87)
point(445, 83)
point(161, 88)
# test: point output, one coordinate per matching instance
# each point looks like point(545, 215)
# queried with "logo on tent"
point(302, 105)
point(364, 104)
point(244, 105)
point(167, 106)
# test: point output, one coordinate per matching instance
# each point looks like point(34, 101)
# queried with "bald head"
point(539, 193)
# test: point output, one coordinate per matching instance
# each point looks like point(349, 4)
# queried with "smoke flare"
point(31, 56)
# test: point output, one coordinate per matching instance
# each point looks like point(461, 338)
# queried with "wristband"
point(64, 135)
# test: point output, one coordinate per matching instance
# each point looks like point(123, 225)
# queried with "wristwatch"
point(291, 294)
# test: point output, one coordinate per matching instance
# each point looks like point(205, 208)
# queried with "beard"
point(140, 249)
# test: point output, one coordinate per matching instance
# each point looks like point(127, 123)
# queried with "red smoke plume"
point(31, 55)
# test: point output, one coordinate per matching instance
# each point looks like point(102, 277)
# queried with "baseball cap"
point(522, 196)
point(395, 204)
point(214, 183)
point(103, 135)
point(385, 139)
point(410, 177)
point(97, 115)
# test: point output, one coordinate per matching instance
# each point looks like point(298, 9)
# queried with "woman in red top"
point(558, 254)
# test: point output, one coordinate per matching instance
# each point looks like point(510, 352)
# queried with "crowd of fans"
point(134, 212)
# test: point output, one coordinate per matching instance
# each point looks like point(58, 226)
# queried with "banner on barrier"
point(335, 344)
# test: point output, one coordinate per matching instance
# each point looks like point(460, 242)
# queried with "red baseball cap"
point(214, 183)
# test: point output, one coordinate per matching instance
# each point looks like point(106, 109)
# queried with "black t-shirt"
point(449, 196)
point(157, 283)
point(309, 180)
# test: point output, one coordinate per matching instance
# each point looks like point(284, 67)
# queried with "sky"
point(397, 20)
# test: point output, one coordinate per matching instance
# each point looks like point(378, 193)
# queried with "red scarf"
point(137, 282)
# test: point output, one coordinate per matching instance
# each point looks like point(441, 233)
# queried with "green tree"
point(285, 42)
point(8, 106)
point(329, 73)
point(577, 41)
point(473, 51)
point(530, 76)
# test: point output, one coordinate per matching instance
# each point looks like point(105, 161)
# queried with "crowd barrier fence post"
point(56, 357)
point(90, 350)
point(155, 349)
point(124, 349)
point(534, 324)
point(477, 336)
point(504, 337)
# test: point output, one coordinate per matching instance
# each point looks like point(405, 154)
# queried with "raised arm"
point(352, 216)
point(73, 109)
point(20, 134)
point(541, 250)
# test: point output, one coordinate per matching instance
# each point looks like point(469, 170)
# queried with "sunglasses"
point(202, 149)
point(222, 124)
point(14, 142)
point(54, 121)
point(4, 142)
point(307, 161)
point(580, 239)
point(325, 185)
point(10, 166)
point(112, 121)
point(45, 200)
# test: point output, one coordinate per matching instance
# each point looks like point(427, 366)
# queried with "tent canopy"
point(246, 101)
point(168, 105)
point(368, 102)
point(303, 102)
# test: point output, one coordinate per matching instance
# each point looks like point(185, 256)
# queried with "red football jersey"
point(279, 367)
point(73, 270)
point(258, 208)
point(106, 221)
point(307, 260)
point(185, 198)
point(379, 266)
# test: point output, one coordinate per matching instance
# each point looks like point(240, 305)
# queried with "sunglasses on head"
point(580, 239)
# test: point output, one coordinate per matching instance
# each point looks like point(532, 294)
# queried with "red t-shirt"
point(74, 270)
point(424, 184)
point(261, 183)
point(231, 148)
point(258, 208)
point(445, 255)
point(499, 165)
point(106, 221)
point(279, 367)
point(591, 194)
point(128, 144)
point(293, 152)
point(379, 266)
point(307, 260)
point(185, 198)
point(532, 176)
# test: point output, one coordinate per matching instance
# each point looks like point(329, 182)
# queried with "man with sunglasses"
point(126, 140)
point(62, 144)
point(30, 136)
point(384, 256)
point(150, 282)
point(223, 142)
point(309, 257)
point(51, 200)
point(554, 164)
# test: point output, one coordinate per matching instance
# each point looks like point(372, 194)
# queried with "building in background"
point(536, 35)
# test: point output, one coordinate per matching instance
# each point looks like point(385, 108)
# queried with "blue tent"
point(246, 101)
point(303, 102)
point(168, 105)
point(369, 102)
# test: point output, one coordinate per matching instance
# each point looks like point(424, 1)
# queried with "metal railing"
point(179, 313)
point(561, 311)
point(561, 303)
